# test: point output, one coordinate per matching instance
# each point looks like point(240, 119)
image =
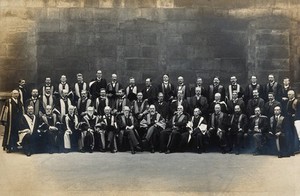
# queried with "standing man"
point(256, 101)
point(199, 101)
point(24, 92)
point(112, 88)
point(214, 88)
point(35, 102)
point(96, 84)
point(47, 99)
point(79, 86)
point(47, 84)
point(167, 89)
point(199, 83)
point(131, 90)
point(10, 117)
point(270, 105)
point(234, 86)
point(235, 101)
point(252, 86)
point(149, 92)
point(71, 134)
point(273, 87)
point(284, 95)
point(183, 88)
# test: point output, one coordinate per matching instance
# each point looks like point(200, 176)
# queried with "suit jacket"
point(238, 122)
point(203, 91)
point(269, 108)
point(221, 122)
point(168, 92)
point(150, 94)
point(231, 104)
point(253, 103)
point(201, 104)
point(95, 87)
point(262, 123)
point(278, 125)
point(185, 89)
point(164, 109)
point(174, 105)
point(275, 88)
point(212, 90)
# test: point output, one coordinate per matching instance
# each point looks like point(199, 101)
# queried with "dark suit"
point(259, 134)
point(275, 88)
point(238, 126)
point(150, 93)
point(253, 103)
point(232, 103)
point(212, 90)
point(95, 87)
point(269, 108)
point(218, 128)
point(279, 125)
point(199, 102)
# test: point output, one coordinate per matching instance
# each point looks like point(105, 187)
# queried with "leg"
point(164, 136)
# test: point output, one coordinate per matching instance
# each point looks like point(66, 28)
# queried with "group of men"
point(107, 116)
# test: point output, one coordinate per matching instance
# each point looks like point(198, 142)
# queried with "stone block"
point(178, 64)
point(34, 3)
point(106, 38)
point(165, 3)
point(131, 38)
point(17, 51)
point(48, 26)
point(230, 51)
point(104, 26)
point(275, 22)
point(147, 4)
point(272, 52)
point(105, 50)
point(140, 63)
point(272, 39)
point(69, 3)
point(269, 64)
point(15, 3)
point(174, 40)
point(128, 14)
point(177, 52)
point(2, 50)
point(200, 51)
point(81, 13)
point(193, 13)
point(148, 39)
point(176, 14)
point(91, 3)
point(206, 64)
point(234, 65)
point(132, 51)
point(265, 3)
point(85, 39)
point(194, 38)
point(55, 38)
point(245, 4)
point(150, 52)
point(80, 26)
point(50, 51)
point(224, 4)
point(106, 4)
point(16, 38)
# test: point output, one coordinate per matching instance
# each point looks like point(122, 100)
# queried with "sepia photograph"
point(150, 97)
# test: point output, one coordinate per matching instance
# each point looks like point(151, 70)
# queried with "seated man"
point(197, 132)
point(71, 133)
point(278, 125)
point(218, 127)
point(258, 126)
point(49, 126)
point(154, 124)
point(237, 129)
point(170, 137)
point(87, 140)
point(108, 124)
point(126, 125)
point(28, 131)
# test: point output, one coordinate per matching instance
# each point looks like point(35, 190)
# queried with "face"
point(257, 111)
point(199, 81)
point(114, 77)
point(277, 111)
point(99, 74)
point(120, 93)
point(217, 96)
point(148, 82)
point(83, 94)
point(198, 91)
point(253, 79)
point(71, 110)
point(234, 95)
point(22, 83)
point(180, 80)
point(107, 110)
point(196, 112)
point(48, 90)
point(152, 109)
point(79, 78)
point(270, 97)
point(165, 78)
point(34, 93)
point(48, 80)
point(65, 93)
point(179, 109)
point(160, 97)
point(30, 110)
point(132, 81)
point(233, 80)
point(126, 111)
point(286, 82)
point(140, 96)
point(237, 109)
point(255, 94)
point(217, 108)
point(90, 111)
point(63, 79)
point(48, 110)
point(271, 78)
point(102, 93)
point(291, 94)
point(15, 94)
point(216, 81)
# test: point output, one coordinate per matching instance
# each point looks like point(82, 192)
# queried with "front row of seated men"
point(113, 133)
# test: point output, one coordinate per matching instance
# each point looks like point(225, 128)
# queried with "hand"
point(278, 134)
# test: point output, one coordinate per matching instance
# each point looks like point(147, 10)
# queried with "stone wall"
point(146, 38)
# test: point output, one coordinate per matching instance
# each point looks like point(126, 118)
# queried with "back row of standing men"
point(99, 98)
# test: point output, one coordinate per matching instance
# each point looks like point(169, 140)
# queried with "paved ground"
point(148, 174)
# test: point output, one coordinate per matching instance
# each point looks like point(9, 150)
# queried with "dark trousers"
point(198, 139)
point(99, 140)
point(221, 137)
point(51, 137)
point(152, 136)
point(28, 143)
point(111, 140)
point(259, 140)
point(235, 138)
point(131, 135)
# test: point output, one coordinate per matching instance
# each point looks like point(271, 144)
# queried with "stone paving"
point(148, 174)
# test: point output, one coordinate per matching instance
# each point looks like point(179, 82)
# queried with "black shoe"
point(256, 153)
point(161, 151)
point(237, 152)
point(138, 148)
point(199, 151)
point(280, 156)
point(82, 151)
point(113, 151)
point(28, 154)
point(102, 150)
point(152, 150)
point(168, 152)
point(132, 151)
